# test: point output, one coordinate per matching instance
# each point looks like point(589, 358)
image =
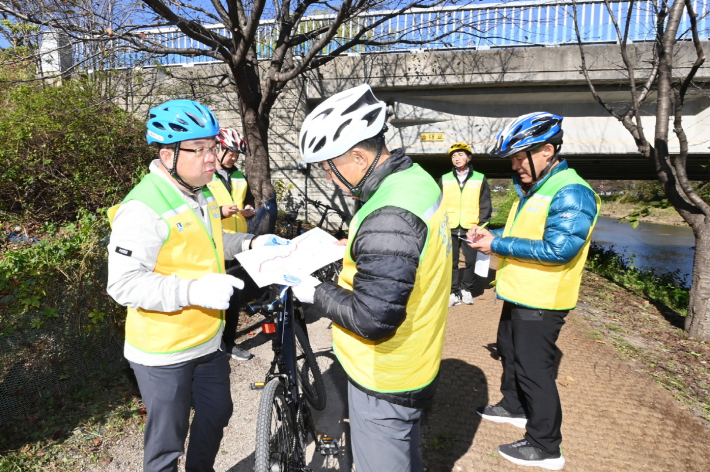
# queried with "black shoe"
point(498, 414)
point(524, 453)
point(239, 354)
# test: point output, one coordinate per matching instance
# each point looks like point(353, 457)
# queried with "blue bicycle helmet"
point(180, 120)
point(529, 132)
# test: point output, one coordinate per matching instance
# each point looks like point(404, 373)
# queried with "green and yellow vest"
point(236, 223)
point(189, 253)
point(462, 204)
point(535, 284)
point(410, 358)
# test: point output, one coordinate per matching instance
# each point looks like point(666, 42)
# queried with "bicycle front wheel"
point(310, 378)
point(275, 436)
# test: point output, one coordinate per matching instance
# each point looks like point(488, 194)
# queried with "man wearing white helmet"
point(389, 306)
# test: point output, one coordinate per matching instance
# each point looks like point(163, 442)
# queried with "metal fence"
point(482, 26)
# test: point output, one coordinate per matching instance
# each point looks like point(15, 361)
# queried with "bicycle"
point(292, 228)
point(284, 420)
point(344, 216)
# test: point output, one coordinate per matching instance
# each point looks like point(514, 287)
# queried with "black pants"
point(231, 320)
point(231, 314)
point(466, 278)
point(526, 344)
point(168, 393)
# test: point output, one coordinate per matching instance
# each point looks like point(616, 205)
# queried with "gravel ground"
point(237, 450)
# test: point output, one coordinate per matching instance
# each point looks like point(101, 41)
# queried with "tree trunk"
point(258, 168)
point(256, 128)
point(697, 322)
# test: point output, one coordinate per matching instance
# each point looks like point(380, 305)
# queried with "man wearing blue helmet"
point(542, 251)
point(166, 265)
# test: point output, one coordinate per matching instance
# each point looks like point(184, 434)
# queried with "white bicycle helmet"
point(341, 122)
point(232, 139)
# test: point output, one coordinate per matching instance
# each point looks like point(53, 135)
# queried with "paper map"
point(291, 264)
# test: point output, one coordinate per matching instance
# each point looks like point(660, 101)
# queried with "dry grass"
point(666, 216)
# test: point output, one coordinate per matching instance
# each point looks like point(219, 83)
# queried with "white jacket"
point(140, 232)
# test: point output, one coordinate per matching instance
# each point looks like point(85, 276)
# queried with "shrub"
point(57, 323)
point(63, 149)
point(666, 288)
point(498, 221)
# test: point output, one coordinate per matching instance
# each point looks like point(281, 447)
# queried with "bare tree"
point(295, 44)
point(657, 75)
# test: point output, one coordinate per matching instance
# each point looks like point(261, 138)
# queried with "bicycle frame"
point(284, 366)
point(344, 217)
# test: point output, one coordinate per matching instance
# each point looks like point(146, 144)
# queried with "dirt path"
point(237, 449)
point(615, 418)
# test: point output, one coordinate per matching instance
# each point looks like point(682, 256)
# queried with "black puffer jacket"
point(386, 252)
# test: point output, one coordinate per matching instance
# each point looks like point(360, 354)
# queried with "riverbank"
point(665, 216)
point(651, 337)
point(611, 209)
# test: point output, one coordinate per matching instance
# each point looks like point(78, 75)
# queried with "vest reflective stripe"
point(533, 284)
point(236, 223)
point(188, 253)
point(409, 359)
point(462, 205)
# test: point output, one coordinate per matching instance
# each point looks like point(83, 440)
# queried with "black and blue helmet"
point(180, 120)
point(528, 132)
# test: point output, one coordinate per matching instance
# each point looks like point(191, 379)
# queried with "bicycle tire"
point(309, 376)
point(275, 438)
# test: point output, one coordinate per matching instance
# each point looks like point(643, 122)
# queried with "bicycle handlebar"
point(337, 211)
point(270, 302)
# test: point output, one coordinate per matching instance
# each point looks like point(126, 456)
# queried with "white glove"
point(304, 292)
point(268, 240)
point(213, 291)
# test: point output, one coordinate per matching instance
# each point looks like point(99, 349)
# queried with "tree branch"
point(679, 163)
point(641, 142)
point(249, 31)
point(191, 29)
point(223, 14)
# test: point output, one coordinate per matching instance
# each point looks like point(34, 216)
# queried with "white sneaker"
point(454, 299)
point(466, 297)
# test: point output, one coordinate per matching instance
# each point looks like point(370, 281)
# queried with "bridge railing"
point(482, 26)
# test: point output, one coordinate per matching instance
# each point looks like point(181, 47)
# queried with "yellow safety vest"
point(536, 284)
point(462, 204)
point(236, 223)
point(410, 358)
point(189, 253)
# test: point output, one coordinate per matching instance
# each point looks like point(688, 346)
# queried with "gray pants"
point(384, 436)
point(168, 393)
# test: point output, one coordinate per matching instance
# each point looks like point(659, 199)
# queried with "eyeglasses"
point(203, 151)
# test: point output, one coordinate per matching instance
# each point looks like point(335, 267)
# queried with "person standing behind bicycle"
point(229, 187)
point(467, 198)
point(166, 264)
point(542, 252)
point(390, 304)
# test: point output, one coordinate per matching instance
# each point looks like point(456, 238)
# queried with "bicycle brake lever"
point(254, 308)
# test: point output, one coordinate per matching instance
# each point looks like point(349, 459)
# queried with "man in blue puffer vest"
point(542, 251)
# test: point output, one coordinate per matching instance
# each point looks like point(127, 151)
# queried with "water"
point(663, 248)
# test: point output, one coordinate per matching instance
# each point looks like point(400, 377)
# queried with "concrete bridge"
point(466, 91)
point(469, 96)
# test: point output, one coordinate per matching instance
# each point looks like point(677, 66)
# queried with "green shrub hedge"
point(63, 149)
